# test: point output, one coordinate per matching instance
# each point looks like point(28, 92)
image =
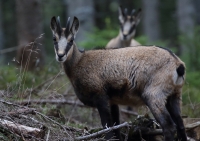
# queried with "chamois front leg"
point(159, 111)
point(173, 106)
point(115, 119)
point(104, 109)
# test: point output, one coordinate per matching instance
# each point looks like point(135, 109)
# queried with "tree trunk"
point(150, 16)
point(84, 10)
point(1, 34)
point(197, 10)
point(30, 54)
point(185, 13)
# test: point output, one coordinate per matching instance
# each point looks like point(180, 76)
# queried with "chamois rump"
point(103, 79)
point(128, 24)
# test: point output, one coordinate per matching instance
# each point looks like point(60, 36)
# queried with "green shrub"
point(99, 38)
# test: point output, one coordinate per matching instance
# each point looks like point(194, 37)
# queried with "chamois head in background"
point(128, 23)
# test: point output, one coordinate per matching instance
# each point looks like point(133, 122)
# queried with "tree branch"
point(102, 132)
point(20, 111)
point(19, 129)
point(52, 101)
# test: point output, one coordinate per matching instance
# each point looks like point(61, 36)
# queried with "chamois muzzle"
point(125, 36)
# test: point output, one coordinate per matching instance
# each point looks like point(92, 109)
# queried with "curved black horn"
point(67, 27)
point(59, 28)
point(125, 11)
point(68, 24)
point(132, 12)
point(58, 21)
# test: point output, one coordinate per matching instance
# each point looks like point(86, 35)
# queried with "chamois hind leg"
point(173, 106)
point(156, 103)
point(115, 119)
point(103, 107)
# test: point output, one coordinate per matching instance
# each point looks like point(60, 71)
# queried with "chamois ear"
point(55, 25)
point(121, 15)
point(138, 16)
point(75, 26)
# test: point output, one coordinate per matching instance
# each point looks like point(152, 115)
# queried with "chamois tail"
point(181, 70)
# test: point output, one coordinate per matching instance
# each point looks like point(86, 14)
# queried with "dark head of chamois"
point(128, 23)
point(144, 75)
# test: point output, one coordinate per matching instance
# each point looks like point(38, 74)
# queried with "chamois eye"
point(54, 40)
point(71, 40)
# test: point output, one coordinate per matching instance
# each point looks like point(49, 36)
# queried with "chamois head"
point(63, 37)
point(128, 23)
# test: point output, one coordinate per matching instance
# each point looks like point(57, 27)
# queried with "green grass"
point(15, 79)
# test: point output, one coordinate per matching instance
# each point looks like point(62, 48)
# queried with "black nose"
point(60, 55)
point(125, 35)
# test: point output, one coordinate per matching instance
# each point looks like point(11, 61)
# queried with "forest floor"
point(50, 111)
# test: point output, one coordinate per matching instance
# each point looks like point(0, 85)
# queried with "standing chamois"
point(103, 79)
point(127, 30)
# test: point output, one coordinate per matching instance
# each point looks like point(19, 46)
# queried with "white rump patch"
point(178, 80)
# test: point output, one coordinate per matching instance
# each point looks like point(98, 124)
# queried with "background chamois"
point(129, 76)
point(128, 24)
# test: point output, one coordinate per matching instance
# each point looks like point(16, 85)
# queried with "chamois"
point(127, 30)
point(148, 75)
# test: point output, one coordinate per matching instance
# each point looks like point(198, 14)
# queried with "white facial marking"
point(126, 29)
point(62, 44)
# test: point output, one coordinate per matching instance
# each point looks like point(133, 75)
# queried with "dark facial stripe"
point(55, 43)
point(121, 26)
point(132, 28)
point(69, 45)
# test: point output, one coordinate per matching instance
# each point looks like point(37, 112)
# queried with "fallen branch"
point(63, 101)
point(52, 101)
point(193, 130)
point(11, 104)
point(20, 111)
point(129, 112)
point(192, 125)
point(125, 124)
point(3, 51)
point(22, 130)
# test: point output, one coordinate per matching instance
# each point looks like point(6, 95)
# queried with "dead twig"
point(55, 122)
point(125, 124)
point(48, 135)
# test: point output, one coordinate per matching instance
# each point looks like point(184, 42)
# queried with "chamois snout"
point(60, 57)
